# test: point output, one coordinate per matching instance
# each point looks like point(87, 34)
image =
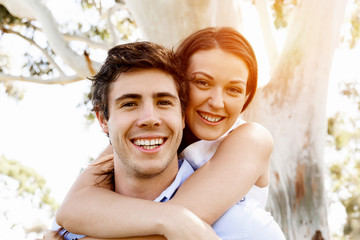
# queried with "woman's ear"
point(102, 122)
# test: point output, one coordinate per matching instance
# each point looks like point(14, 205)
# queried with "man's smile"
point(149, 143)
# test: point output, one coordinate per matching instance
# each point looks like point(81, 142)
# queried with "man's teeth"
point(149, 144)
point(210, 118)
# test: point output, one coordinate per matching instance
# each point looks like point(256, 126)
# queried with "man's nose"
point(149, 117)
point(216, 99)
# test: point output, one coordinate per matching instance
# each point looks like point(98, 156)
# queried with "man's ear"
point(102, 121)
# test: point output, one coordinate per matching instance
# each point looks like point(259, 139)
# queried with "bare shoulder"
point(251, 134)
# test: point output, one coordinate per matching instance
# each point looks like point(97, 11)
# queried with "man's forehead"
point(150, 82)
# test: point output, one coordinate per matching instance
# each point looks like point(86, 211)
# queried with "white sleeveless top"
point(198, 153)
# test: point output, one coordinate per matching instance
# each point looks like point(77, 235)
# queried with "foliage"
point(6, 19)
point(86, 103)
point(344, 132)
point(12, 90)
point(355, 25)
point(282, 10)
point(40, 60)
point(24, 193)
point(29, 183)
point(9, 88)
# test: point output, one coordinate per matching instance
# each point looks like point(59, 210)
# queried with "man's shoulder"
point(185, 170)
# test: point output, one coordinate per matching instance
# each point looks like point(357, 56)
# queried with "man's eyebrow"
point(164, 94)
point(128, 95)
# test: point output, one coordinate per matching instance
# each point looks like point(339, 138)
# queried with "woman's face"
point(217, 92)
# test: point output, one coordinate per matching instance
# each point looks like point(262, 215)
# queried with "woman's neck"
point(188, 138)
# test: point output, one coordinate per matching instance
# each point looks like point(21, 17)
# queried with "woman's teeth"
point(210, 118)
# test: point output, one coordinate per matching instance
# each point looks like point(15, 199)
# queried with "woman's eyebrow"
point(203, 73)
point(238, 81)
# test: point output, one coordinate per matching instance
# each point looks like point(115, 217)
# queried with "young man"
point(139, 97)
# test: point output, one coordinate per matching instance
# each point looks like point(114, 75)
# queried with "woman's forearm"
point(91, 209)
point(121, 217)
point(154, 237)
point(125, 217)
point(53, 235)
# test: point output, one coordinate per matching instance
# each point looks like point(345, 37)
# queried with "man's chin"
point(150, 172)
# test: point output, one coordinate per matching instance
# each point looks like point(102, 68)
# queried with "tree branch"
point(267, 29)
point(89, 42)
point(58, 80)
point(19, 8)
point(111, 26)
point(50, 59)
point(50, 28)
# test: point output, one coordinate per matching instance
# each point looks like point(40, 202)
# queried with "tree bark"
point(291, 106)
point(168, 22)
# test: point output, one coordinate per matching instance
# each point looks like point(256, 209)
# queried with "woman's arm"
point(240, 161)
point(53, 235)
point(133, 217)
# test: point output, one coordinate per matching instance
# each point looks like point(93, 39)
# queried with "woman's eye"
point(202, 83)
point(236, 90)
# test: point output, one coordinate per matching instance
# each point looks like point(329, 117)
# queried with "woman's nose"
point(216, 100)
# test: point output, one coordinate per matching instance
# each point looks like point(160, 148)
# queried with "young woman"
point(232, 156)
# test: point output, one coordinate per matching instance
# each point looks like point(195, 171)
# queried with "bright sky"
point(46, 130)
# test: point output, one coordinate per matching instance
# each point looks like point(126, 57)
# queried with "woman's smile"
point(210, 118)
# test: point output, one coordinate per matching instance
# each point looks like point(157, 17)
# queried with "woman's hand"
point(180, 223)
point(51, 235)
point(174, 223)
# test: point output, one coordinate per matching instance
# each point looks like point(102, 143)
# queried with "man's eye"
point(128, 104)
point(164, 102)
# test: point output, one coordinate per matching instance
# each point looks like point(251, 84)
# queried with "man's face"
point(145, 122)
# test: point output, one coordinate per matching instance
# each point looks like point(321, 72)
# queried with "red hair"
point(228, 40)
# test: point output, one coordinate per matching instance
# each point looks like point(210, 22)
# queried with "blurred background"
point(48, 133)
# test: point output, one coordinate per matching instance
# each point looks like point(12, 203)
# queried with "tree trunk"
point(292, 105)
point(168, 22)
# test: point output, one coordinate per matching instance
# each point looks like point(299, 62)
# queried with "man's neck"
point(143, 187)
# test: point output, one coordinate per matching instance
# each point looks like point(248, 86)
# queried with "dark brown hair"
point(228, 40)
point(132, 57)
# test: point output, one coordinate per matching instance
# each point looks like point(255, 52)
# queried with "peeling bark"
point(300, 183)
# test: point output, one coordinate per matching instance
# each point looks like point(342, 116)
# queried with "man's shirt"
point(242, 221)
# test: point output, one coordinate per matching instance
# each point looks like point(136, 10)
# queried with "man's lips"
point(210, 117)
